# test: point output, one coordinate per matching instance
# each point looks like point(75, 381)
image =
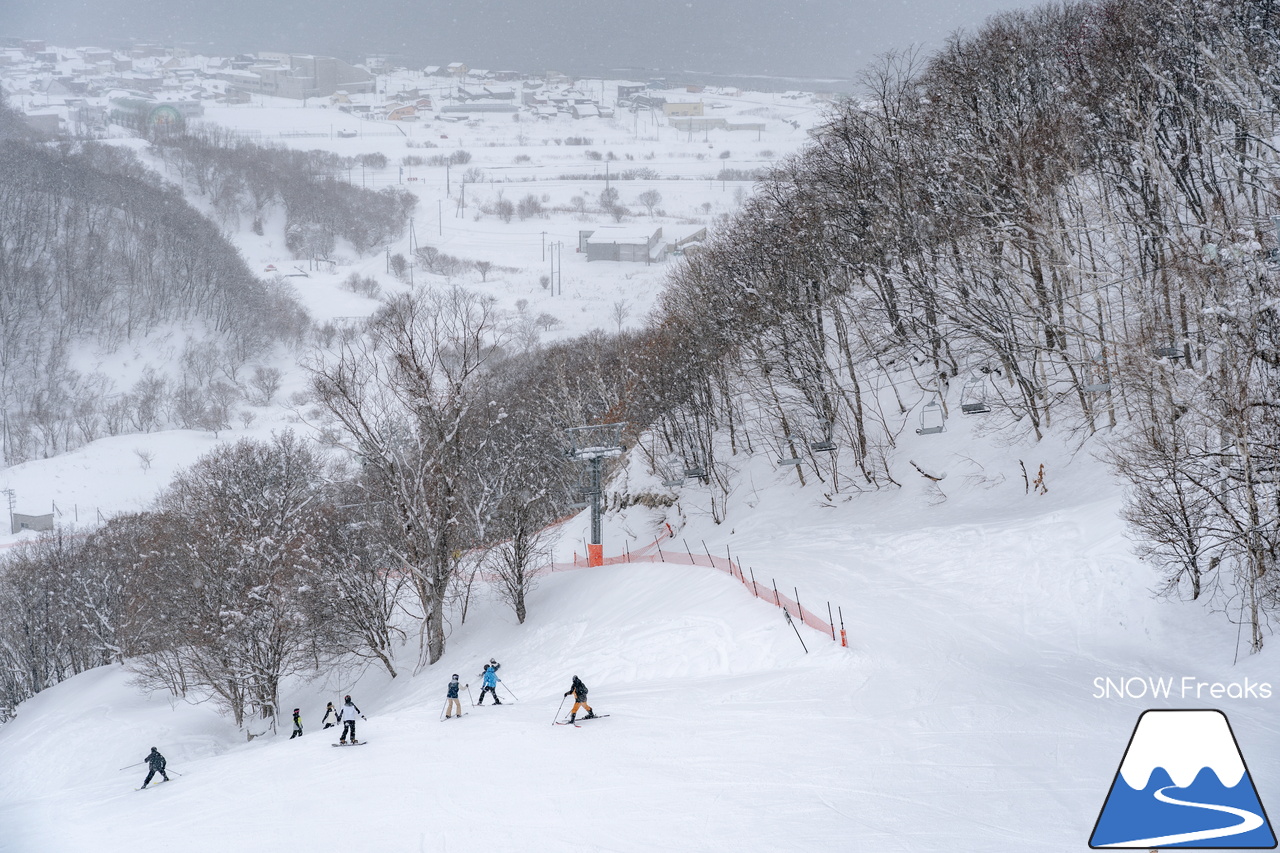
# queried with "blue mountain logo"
point(1183, 783)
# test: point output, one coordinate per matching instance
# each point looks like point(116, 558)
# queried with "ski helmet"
point(455, 676)
point(493, 660)
point(347, 699)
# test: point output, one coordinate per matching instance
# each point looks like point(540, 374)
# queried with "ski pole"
point(442, 708)
point(139, 764)
point(469, 696)
point(509, 690)
point(558, 710)
point(174, 772)
point(786, 613)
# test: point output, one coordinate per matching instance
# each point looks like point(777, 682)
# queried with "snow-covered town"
point(411, 456)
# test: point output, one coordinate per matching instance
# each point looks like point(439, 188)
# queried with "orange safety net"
point(653, 553)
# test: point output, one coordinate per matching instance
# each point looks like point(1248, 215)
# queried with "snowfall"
point(964, 714)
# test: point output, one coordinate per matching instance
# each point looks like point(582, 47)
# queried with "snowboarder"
point(331, 718)
point(452, 703)
point(156, 762)
point(348, 715)
point(491, 679)
point(579, 691)
point(297, 724)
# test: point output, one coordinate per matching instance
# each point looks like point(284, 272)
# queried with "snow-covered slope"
point(964, 715)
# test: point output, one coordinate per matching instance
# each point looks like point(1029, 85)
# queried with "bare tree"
point(403, 399)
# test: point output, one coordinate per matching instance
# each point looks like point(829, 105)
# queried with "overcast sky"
point(777, 38)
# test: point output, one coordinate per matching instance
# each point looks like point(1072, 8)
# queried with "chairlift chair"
point(1168, 352)
point(695, 470)
point(792, 460)
point(973, 398)
point(932, 420)
point(824, 446)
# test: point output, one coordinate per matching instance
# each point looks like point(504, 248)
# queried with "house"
point(19, 522)
point(47, 122)
point(682, 238)
point(682, 108)
point(457, 69)
point(635, 243)
point(628, 90)
point(481, 107)
point(401, 112)
point(584, 111)
point(299, 76)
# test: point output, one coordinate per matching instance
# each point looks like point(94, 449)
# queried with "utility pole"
point(13, 499)
point(440, 215)
point(544, 245)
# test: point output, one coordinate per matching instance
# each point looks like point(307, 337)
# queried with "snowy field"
point(962, 717)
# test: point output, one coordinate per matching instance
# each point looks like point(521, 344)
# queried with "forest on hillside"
point(1060, 223)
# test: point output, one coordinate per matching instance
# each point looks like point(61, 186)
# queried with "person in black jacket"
point(452, 702)
point(330, 716)
point(579, 691)
point(156, 762)
point(297, 724)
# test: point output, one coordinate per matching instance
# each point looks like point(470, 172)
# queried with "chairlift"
point(973, 398)
point(1168, 352)
point(788, 440)
point(932, 419)
point(824, 446)
point(695, 470)
point(1097, 387)
point(674, 481)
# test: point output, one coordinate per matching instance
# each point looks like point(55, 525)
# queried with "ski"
point(578, 723)
point(155, 785)
point(463, 714)
point(353, 743)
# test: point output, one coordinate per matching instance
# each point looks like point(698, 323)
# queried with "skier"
point(491, 680)
point(452, 703)
point(330, 716)
point(156, 762)
point(348, 716)
point(579, 691)
point(297, 724)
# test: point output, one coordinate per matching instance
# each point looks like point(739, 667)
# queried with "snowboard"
point(353, 743)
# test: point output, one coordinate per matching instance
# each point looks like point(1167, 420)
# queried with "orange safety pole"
point(844, 639)
point(595, 555)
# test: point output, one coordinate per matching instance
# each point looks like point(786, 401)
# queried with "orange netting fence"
point(654, 553)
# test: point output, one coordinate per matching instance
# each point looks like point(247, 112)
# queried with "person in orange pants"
point(579, 691)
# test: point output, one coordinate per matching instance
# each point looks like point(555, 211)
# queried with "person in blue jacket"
point(491, 679)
